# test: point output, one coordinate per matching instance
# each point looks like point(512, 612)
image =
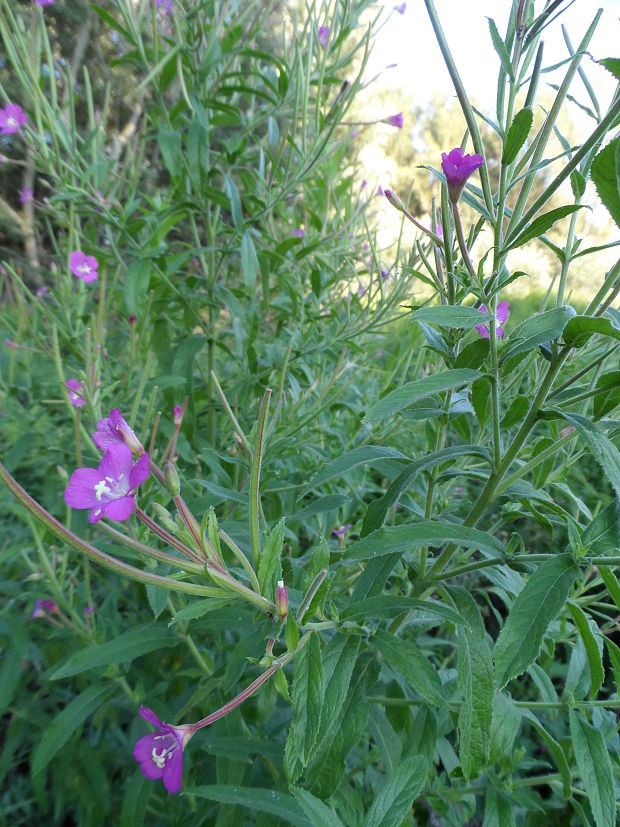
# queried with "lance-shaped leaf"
point(543, 327)
point(593, 642)
point(605, 172)
point(540, 225)
point(419, 389)
point(447, 315)
point(517, 135)
point(366, 455)
point(407, 659)
point(400, 790)
point(602, 448)
point(595, 769)
point(255, 800)
point(475, 679)
point(307, 697)
point(539, 602)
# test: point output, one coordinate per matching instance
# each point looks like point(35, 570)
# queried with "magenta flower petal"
point(83, 267)
point(323, 36)
point(113, 430)
point(502, 312)
point(150, 716)
point(401, 9)
point(140, 471)
point(500, 331)
point(457, 168)
point(119, 510)
point(81, 490)
point(12, 118)
point(44, 2)
point(75, 392)
point(160, 755)
point(394, 120)
point(483, 330)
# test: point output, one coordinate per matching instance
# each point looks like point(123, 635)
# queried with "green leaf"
point(475, 679)
point(555, 749)
point(400, 790)
point(377, 510)
point(249, 260)
point(605, 171)
point(607, 391)
point(199, 608)
point(517, 135)
point(307, 697)
point(422, 737)
point(498, 810)
point(447, 315)
point(602, 535)
point(603, 449)
point(612, 64)
point(269, 566)
point(254, 800)
point(402, 538)
point(407, 659)
point(320, 814)
point(172, 151)
point(580, 328)
point(539, 602)
point(137, 793)
point(419, 389)
point(516, 411)
point(505, 727)
point(273, 131)
point(10, 673)
point(235, 202)
point(367, 454)
point(611, 581)
point(136, 285)
point(594, 768)
point(543, 327)
point(387, 606)
point(473, 354)
point(614, 659)
point(66, 722)
point(593, 641)
point(540, 225)
point(122, 649)
point(338, 661)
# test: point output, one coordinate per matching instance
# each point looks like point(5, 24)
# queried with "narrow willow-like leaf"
point(66, 722)
point(594, 648)
point(365, 455)
point(498, 810)
point(540, 602)
point(540, 225)
point(319, 814)
point(517, 135)
point(543, 327)
point(445, 315)
point(419, 389)
point(255, 800)
point(500, 48)
point(595, 769)
point(400, 790)
point(269, 567)
point(402, 538)
point(122, 649)
point(603, 449)
point(475, 679)
point(605, 172)
point(249, 260)
point(602, 535)
point(611, 581)
point(387, 606)
point(138, 790)
point(307, 696)
point(377, 510)
point(555, 749)
point(407, 659)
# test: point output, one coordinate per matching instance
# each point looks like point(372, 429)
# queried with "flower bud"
point(177, 413)
point(171, 479)
point(165, 517)
point(282, 601)
point(394, 200)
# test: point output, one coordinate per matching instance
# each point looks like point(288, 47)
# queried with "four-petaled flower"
point(501, 315)
point(457, 168)
point(44, 607)
point(297, 232)
point(323, 36)
point(108, 491)
point(113, 430)
point(12, 117)
point(83, 267)
point(160, 754)
point(394, 120)
point(75, 392)
point(341, 532)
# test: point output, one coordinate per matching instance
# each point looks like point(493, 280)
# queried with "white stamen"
point(101, 488)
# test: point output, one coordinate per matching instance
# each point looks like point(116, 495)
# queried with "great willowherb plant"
point(424, 532)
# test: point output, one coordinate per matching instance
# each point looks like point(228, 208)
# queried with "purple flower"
point(394, 120)
point(501, 315)
point(177, 415)
point(400, 9)
point(44, 607)
point(167, 6)
point(12, 117)
point(113, 430)
point(42, 291)
point(83, 267)
point(457, 168)
point(297, 232)
point(89, 610)
point(379, 353)
point(132, 319)
point(75, 392)
point(341, 532)
point(108, 491)
point(380, 190)
point(26, 195)
point(323, 36)
point(160, 754)
point(44, 2)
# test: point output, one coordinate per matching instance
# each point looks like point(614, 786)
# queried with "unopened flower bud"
point(171, 479)
point(394, 200)
point(282, 600)
point(177, 413)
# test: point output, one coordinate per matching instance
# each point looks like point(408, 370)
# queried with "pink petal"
point(482, 330)
point(150, 716)
point(116, 462)
point(81, 490)
point(140, 472)
point(503, 310)
point(500, 331)
point(173, 772)
point(119, 510)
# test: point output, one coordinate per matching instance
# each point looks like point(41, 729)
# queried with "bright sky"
point(410, 41)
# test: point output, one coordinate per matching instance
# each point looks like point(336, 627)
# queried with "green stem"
point(257, 457)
